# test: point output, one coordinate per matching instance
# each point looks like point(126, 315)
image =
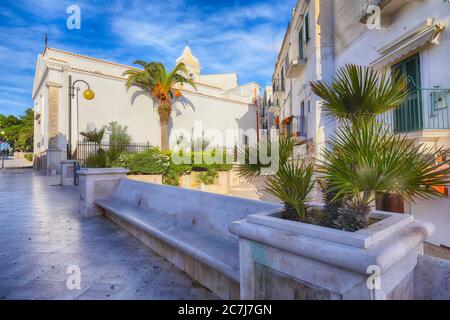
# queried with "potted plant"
point(331, 251)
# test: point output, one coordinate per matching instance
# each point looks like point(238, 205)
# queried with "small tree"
point(119, 140)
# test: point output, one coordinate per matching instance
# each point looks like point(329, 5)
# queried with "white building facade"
point(217, 104)
point(307, 54)
point(411, 36)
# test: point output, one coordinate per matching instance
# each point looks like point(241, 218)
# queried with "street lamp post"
point(2, 152)
point(88, 94)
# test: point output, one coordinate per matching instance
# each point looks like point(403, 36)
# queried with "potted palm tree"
point(329, 250)
point(162, 86)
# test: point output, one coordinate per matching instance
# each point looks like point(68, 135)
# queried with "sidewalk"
point(42, 237)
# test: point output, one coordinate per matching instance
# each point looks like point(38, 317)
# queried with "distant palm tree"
point(161, 85)
point(361, 93)
point(95, 136)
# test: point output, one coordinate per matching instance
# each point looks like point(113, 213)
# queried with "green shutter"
point(307, 35)
point(409, 116)
point(301, 44)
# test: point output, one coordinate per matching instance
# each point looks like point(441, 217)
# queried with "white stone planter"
point(282, 259)
point(67, 172)
point(149, 178)
point(97, 183)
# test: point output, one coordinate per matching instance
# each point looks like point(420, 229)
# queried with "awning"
point(409, 43)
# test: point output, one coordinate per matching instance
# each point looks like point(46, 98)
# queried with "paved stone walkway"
point(41, 235)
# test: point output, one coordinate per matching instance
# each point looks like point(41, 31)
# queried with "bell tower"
point(191, 62)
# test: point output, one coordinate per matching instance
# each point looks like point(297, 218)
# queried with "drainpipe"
point(69, 135)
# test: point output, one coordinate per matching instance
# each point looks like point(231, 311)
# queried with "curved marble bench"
point(187, 227)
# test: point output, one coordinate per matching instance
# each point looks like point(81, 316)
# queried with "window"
point(245, 140)
point(304, 36)
point(301, 44)
point(286, 62)
point(306, 26)
point(302, 120)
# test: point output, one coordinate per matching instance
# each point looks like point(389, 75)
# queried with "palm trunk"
point(164, 134)
point(164, 111)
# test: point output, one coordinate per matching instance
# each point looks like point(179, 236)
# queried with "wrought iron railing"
point(424, 109)
point(86, 149)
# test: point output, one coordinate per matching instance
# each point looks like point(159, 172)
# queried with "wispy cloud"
point(244, 38)
point(227, 36)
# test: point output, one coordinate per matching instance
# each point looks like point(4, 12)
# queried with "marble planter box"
point(281, 259)
point(67, 172)
point(190, 181)
point(149, 178)
point(221, 184)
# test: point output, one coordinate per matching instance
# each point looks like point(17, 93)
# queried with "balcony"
point(423, 110)
point(295, 60)
point(295, 68)
point(274, 108)
point(278, 89)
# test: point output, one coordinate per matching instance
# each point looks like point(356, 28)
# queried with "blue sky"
point(227, 36)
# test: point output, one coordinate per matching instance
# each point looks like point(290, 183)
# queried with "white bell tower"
point(191, 62)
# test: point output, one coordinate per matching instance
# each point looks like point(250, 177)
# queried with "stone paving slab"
point(41, 235)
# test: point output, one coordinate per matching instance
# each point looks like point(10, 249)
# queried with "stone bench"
point(187, 227)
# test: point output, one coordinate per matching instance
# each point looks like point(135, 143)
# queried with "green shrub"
point(28, 156)
point(208, 176)
point(99, 160)
point(152, 161)
point(156, 162)
point(205, 166)
point(174, 172)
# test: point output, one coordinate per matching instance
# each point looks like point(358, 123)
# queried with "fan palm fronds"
point(95, 136)
point(360, 92)
point(364, 159)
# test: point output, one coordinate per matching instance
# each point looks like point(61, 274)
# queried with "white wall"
point(438, 213)
point(114, 103)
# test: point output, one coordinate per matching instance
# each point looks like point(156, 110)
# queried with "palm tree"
point(99, 159)
point(361, 93)
point(161, 86)
point(291, 183)
point(94, 136)
point(365, 159)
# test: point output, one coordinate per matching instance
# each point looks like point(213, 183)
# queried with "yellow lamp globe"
point(2, 133)
point(89, 94)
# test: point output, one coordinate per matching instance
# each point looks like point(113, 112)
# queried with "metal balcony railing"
point(424, 109)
